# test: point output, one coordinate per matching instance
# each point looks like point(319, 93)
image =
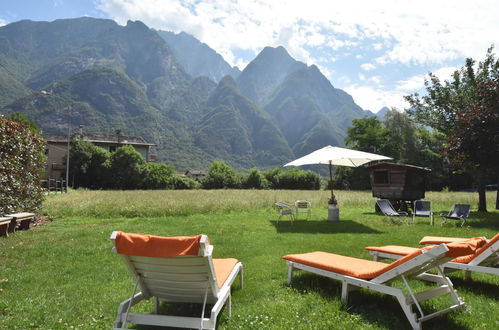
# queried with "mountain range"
point(170, 89)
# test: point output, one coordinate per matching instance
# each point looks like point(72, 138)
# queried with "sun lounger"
point(484, 260)
point(175, 270)
point(357, 273)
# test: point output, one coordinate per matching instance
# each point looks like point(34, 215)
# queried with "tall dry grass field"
point(157, 203)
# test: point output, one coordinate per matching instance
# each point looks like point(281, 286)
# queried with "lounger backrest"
point(386, 207)
point(422, 208)
point(427, 258)
point(460, 211)
point(175, 269)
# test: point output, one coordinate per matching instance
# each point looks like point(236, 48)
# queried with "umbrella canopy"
point(336, 156)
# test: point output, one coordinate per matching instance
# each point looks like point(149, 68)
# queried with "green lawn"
point(64, 275)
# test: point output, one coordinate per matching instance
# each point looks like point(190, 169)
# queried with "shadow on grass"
point(382, 310)
point(476, 287)
point(187, 310)
point(487, 220)
point(310, 226)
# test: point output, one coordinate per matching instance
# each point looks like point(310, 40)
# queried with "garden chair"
point(175, 270)
point(422, 209)
point(357, 273)
point(285, 209)
point(457, 212)
point(484, 260)
point(302, 206)
point(387, 209)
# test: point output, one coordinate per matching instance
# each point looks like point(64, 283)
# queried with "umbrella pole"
point(331, 178)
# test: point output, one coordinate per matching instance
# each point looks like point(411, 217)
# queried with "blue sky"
point(378, 51)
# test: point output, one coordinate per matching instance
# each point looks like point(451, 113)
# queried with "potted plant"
point(332, 201)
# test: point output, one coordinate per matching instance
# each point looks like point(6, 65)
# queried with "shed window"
point(112, 148)
point(381, 177)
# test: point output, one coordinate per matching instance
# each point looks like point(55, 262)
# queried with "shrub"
point(294, 179)
point(126, 168)
point(255, 180)
point(157, 176)
point(221, 176)
point(89, 165)
point(179, 183)
point(22, 164)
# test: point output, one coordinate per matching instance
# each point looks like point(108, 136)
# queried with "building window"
point(381, 177)
point(47, 151)
point(112, 148)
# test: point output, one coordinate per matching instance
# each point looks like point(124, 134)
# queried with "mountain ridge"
point(106, 77)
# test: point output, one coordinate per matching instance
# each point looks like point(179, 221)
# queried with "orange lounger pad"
point(355, 267)
point(439, 239)
point(156, 246)
point(223, 268)
point(393, 249)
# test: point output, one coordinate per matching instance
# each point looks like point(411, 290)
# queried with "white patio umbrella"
point(336, 156)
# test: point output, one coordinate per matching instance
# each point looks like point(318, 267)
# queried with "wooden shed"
point(402, 184)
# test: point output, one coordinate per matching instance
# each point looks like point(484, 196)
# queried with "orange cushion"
point(464, 251)
point(468, 258)
point(354, 267)
point(223, 268)
point(464, 248)
point(156, 246)
point(394, 249)
point(439, 239)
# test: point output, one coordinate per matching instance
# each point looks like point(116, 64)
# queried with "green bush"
point(255, 180)
point(221, 176)
point(126, 168)
point(179, 183)
point(157, 176)
point(89, 165)
point(22, 164)
point(293, 178)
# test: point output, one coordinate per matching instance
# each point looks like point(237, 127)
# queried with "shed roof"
point(384, 164)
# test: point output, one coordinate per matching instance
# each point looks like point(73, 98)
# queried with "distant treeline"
point(96, 168)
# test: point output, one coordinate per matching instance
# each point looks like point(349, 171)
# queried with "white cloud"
point(411, 84)
point(420, 32)
point(416, 83)
point(367, 66)
point(3, 22)
point(375, 99)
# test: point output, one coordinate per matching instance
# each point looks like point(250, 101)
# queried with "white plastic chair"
point(302, 206)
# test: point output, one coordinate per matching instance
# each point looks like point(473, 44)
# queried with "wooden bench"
point(21, 220)
point(5, 223)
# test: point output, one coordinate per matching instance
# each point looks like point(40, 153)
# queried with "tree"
point(220, 176)
point(157, 176)
point(126, 168)
point(402, 142)
point(366, 134)
point(465, 110)
point(89, 165)
point(255, 180)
